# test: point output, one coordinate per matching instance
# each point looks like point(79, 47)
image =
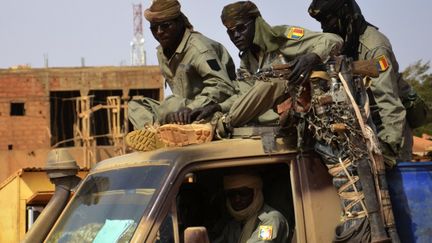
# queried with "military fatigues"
point(388, 90)
point(198, 73)
point(263, 95)
point(271, 226)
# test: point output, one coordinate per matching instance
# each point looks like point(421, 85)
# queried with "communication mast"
point(138, 55)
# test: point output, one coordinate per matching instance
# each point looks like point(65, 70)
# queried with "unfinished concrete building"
point(82, 108)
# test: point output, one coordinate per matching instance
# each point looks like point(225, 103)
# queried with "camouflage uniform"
point(199, 73)
point(388, 91)
point(271, 226)
point(263, 95)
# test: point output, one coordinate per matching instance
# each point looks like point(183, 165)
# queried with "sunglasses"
point(242, 192)
point(162, 26)
point(239, 28)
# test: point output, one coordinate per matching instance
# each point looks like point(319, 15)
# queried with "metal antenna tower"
point(138, 54)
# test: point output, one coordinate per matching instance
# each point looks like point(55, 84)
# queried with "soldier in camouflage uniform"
point(363, 41)
point(253, 220)
point(198, 70)
point(261, 45)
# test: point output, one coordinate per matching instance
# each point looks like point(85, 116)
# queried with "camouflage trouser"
point(406, 151)
point(404, 154)
point(149, 111)
point(255, 105)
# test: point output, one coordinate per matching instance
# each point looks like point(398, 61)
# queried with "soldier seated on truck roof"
point(198, 70)
point(260, 46)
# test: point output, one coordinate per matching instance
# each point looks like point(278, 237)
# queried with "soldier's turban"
point(242, 180)
point(162, 10)
point(319, 9)
point(239, 12)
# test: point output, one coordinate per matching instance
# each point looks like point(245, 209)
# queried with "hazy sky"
point(101, 30)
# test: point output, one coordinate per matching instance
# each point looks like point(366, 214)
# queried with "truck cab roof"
point(215, 150)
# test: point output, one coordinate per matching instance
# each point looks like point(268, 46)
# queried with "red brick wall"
point(30, 131)
point(32, 87)
point(29, 134)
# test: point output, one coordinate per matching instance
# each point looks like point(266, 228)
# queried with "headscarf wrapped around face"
point(319, 9)
point(248, 215)
point(242, 180)
point(351, 22)
point(266, 37)
point(239, 12)
point(164, 10)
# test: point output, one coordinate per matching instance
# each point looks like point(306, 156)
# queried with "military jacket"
point(290, 41)
point(271, 226)
point(387, 89)
point(200, 70)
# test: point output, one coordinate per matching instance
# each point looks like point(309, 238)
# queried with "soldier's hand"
point(204, 112)
point(182, 116)
point(302, 67)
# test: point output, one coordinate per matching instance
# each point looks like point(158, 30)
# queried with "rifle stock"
point(365, 68)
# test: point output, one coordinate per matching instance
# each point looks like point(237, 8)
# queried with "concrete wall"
point(14, 196)
point(9, 204)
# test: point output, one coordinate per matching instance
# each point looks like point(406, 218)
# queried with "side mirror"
point(196, 235)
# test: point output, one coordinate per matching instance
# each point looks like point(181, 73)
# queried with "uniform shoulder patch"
point(265, 232)
point(214, 65)
point(382, 63)
point(295, 33)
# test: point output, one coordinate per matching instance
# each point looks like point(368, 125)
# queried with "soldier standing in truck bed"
point(389, 92)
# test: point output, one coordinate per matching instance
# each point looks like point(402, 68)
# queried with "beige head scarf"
point(163, 10)
point(248, 215)
point(239, 12)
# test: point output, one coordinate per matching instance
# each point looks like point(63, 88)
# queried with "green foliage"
point(420, 78)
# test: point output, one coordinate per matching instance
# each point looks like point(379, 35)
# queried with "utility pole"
point(138, 54)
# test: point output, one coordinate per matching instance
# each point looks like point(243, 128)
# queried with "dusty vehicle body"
point(155, 196)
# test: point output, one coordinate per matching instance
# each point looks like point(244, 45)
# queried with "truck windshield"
point(109, 205)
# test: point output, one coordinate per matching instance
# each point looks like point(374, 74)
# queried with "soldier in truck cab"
point(252, 220)
point(198, 70)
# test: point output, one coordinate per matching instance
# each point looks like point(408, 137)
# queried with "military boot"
point(145, 139)
point(175, 135)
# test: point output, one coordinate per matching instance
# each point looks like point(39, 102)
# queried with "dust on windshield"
point(109, 205)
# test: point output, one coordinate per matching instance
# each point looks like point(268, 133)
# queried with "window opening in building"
point(99, 122)
point(17, 109)
point(62, 115)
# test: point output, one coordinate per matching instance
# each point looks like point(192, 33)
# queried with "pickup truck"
point(158, 196)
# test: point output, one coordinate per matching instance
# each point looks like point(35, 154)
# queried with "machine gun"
point(282, 71)
point(347, 78)
point(345, 141)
